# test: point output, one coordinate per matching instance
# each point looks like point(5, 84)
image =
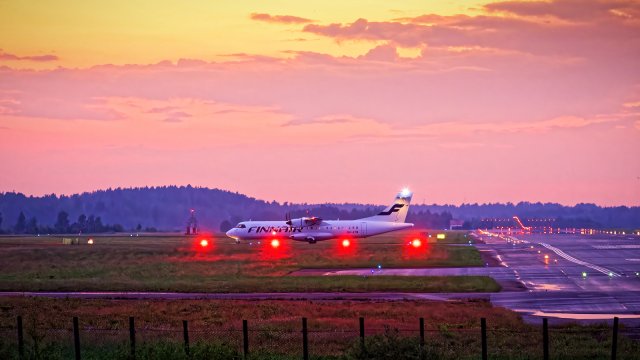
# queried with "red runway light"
point(346, 243)
point(275, 243)
point(416, 243)
point(204, 243)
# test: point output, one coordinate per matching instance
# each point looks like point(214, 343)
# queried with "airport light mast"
point(192, 224)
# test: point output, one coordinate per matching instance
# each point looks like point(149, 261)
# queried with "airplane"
point(312, 229)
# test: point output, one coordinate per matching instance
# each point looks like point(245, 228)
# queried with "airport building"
point(456, 224)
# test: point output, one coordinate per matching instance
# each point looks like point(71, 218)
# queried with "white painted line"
point(580, 262)
point(610, 247)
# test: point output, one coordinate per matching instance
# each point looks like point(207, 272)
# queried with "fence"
point(261, 340)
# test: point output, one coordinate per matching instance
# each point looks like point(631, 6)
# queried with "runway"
point(590, 263)
point(570, 276)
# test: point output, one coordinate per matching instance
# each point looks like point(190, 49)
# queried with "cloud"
point(454, 129)
point(160, 110)
point(325, 120)
point(373, 129)
point(190, 63)
point(361, 29)
point(300, 39)
point(462, 145)
point(177, 116)
point(442, 85)
point(492, 67)
point(62, 106)
point(280, 19)
point(181, 114)
point(572, 10)
point(384, 52)
point(432, 19)
point(569, 29)
point(36, 58)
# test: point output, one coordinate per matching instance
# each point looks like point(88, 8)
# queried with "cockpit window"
point(241, 226)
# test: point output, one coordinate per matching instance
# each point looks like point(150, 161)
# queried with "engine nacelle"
point(304, 221)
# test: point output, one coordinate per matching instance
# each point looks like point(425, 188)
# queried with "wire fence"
point(262, 339)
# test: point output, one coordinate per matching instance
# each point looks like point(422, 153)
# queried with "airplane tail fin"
point(396, 212)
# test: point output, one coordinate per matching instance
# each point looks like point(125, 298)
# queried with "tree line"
point(85, 224)
point(167, 208)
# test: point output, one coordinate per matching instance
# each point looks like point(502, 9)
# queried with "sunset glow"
point(469, 102)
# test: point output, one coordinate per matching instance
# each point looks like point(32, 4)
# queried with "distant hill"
point(167, 208)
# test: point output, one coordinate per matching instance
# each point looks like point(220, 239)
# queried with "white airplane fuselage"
point(326, 230)
point(313, 229)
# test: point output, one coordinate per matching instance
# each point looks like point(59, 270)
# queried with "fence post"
point(362, 333)
point(20, 338)
point(545, 339)
point(185, 332)
point(245, 337)
point(421, 338)
point(305, 340)
point(132, 337)
point(614, 341)
point(76, 337)
point(483, 333)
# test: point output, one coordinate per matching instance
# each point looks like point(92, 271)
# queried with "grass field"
point(174, 263)
point(452, 330)
point(451, 236)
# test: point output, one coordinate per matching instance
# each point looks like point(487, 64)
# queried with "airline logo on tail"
point(394, 208)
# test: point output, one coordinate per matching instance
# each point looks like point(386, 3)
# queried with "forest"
point(167, 208)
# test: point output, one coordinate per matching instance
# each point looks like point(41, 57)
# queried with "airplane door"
point(363, 229)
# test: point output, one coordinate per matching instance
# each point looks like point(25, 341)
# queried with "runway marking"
point(609, 247)
point(578, 316)
point(580, 262)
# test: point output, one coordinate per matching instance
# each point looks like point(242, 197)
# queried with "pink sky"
point(508, 101)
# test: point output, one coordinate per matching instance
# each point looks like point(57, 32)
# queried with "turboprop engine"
point(304, 221)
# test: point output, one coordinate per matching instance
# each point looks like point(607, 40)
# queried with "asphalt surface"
point(570, 276)
point(575, 263)
point(115, 295)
